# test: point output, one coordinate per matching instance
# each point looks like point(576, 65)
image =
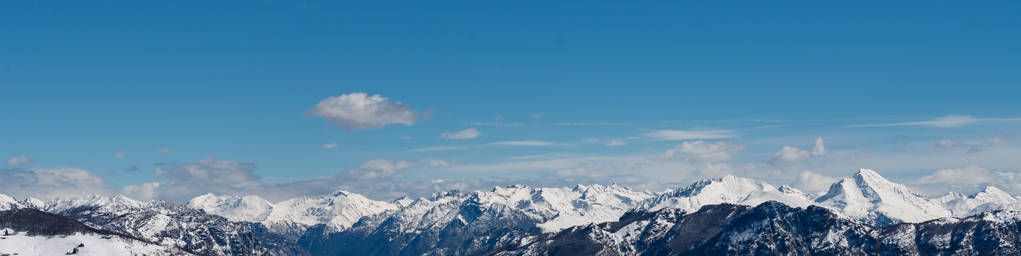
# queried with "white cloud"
point(701, 151)
point(184, 181)
point(379, 168)
point(144, 191)
point(49, 183)
point(358, 111)
point(790, 155)
point(18, 160)
point(819, 148)
point(942, 122)
point(330, 145)
point(119, 154)
point(164, 150)
point(813, 182)
point(181, 182)
point(969, 175)
point(691, 134)
point(465, 134)
point(537, 115)
point(405, 137)
point(614, 143)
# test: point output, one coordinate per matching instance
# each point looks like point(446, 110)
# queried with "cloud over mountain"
point(51, 182)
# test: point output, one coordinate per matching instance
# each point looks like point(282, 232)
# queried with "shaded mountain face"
point(29, 231)
point(768, 229)
point(36, 222)
point(448, 224)
point(773, 228)
point(176, 225)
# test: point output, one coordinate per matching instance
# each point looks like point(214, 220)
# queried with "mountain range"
point(862, 213)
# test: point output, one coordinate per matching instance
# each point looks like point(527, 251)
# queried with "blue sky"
point(546, 85)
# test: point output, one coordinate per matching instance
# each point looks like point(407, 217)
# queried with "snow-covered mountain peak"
point(867, 195)
point(995, 194)
point(34, 202)
point(989, 199)
point(869, 174)
point(338, 210)
point(342, 193)
point(7, 202)
point(234, 208)
point(115, 204)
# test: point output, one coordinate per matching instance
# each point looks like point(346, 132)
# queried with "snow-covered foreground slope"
point(21, 243)
point(27, 231)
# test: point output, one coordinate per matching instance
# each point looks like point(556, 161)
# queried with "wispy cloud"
point(941, 122)
point(330, 146)
point(465, 134)
point(18, 160)
point(524, 143)
point(497, 123)
point(164, 150)
point(701, 151)
point(437, 148)
point(614, 143)
point(691, 134)
point(509, 143)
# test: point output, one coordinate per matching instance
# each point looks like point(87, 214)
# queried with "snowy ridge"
point(865, 196)
point(559, 208)
point(989, 199)
point(338, 210)
point(235, 208)
point(552, 208)
point(729, 189)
